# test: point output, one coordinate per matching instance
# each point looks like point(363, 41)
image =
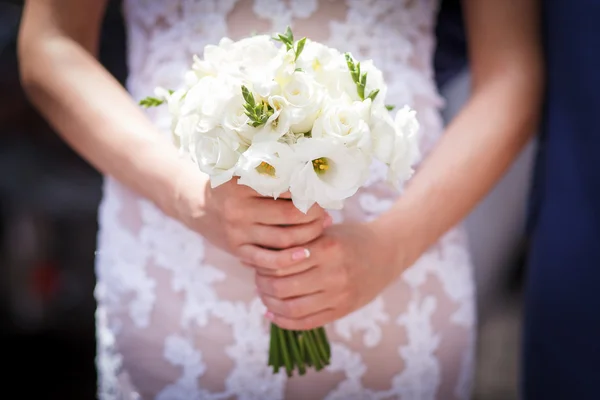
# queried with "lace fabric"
point(179, 319)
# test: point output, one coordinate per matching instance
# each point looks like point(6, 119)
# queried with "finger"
point(291, 270)
point(285, 287)
point(286, 195)
point(300, 307)
point(313, 321)
point(283, 237)
point(282, 212)
point(271, 259)
point(239, 189)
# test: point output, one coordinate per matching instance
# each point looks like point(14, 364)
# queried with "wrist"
point(400, 242)
point(174, 184)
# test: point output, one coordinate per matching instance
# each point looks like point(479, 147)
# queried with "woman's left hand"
point(349, 265)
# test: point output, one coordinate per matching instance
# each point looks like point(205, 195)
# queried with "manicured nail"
point(327, 222)
point(270, 316)
point(300, 254)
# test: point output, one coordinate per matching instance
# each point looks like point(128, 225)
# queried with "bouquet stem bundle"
point(298, 350)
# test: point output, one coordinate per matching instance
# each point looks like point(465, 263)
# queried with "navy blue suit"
point(561, 353)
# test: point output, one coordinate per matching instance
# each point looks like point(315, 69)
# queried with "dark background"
point(48, 202)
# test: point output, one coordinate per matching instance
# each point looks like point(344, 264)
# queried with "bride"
point(186, 286)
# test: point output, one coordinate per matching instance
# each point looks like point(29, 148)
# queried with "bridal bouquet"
point(299, 117)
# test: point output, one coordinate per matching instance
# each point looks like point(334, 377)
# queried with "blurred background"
point(48, 202)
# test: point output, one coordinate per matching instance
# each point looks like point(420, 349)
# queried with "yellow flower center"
point(316, 65)
point(266, 169)
point(320, 165)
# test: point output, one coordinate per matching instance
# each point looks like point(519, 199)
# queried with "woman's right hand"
point(245, 224)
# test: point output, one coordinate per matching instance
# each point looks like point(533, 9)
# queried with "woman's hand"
point(240, 221)
point(349, 265)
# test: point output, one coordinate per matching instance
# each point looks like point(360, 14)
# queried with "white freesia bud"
point(375, 81)
point(383, 134)
point(346, 121)
point(267, 168)
point(406, 147)
point(395, 142)
point(330, 173)
point(216, 155)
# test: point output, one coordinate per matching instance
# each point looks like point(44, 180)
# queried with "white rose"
point(207, 99)
point(346, 121)
point(327, 66)
point(306, 97)
point(238, 59)
point(215, 154)
point(267, 167)
point(329, 174)
point(236, 120)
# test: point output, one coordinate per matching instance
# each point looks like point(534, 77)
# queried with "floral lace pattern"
point(179, 319)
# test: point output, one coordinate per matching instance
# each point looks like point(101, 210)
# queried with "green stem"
point(323, 342)
point(312, 351)
point(274, 356)
point(301, 345)
point(293, 342)
point(284, 352)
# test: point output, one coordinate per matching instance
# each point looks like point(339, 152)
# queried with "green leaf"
point(286, 38)
point(373, 94)
point(299, 47)
point(390, 107)
point(298, 70)
point(151, 102)
point(289, 34)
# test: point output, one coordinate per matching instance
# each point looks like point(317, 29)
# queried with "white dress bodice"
point(179, 319)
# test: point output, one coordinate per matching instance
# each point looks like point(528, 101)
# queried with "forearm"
point(97, 117)
point(475, 151)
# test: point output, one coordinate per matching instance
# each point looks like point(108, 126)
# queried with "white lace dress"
point(179, 319)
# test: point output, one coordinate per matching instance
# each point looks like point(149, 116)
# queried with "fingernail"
point(300, 254)
point(270, 316)
point(328, 221)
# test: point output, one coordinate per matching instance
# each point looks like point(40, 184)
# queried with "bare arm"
point(484, 139)
point(97, 117)
point(85, 104)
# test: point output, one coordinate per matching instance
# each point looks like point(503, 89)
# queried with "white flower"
point(328, 67)
point(267, 168)
point(237, 60)
point(395, 142)
point(174, 101)
point(375, 81)
point(216, 154)
point(383, 134)
point(329, 174)
point(406, 146)
point(306, 97)
point(278, 124)
point(346, 121)
point(207, 99)
point(234, 119)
